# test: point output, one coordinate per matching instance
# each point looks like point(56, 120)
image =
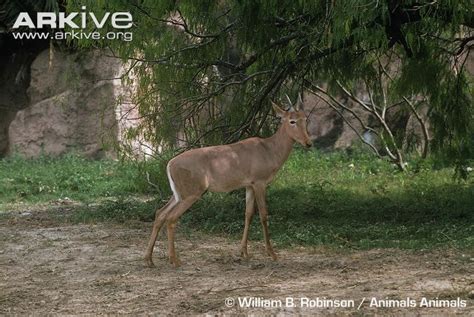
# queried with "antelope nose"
point(309, 144)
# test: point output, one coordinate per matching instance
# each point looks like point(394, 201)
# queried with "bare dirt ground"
point(50, 266)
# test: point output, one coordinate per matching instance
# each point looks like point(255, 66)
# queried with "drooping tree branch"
point(226, 52)
point(336, 105)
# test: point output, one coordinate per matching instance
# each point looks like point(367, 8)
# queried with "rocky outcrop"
point(72, 106)
point(6, 117)
point(15, 61)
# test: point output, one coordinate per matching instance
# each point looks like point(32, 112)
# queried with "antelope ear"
point(278, 111)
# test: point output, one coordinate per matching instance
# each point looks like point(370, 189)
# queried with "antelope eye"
point(292, 122)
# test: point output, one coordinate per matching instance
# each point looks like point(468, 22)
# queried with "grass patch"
point(355, 202)
point(45, 179)
point(332, 199)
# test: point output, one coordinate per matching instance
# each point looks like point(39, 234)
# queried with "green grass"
point(332, 199)
point(71, 176)
point(323, 200)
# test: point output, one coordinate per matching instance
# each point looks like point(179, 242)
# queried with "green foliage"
point(207, 68)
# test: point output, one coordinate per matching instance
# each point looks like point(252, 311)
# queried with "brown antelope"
point(251, 163)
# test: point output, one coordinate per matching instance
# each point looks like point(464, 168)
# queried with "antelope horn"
point(299, 103)
point(291, 109)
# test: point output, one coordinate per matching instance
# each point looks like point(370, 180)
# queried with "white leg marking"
point(173, 186)
point(248, 196)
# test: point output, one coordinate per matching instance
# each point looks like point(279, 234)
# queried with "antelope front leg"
point(171, 228)
point(260, 192)
point(249, 211)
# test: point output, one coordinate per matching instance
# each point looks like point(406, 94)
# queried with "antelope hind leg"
point(171, 218)
point(249, 212)
point(160, 218)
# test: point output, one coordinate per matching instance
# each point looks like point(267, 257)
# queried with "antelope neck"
point(282, 144)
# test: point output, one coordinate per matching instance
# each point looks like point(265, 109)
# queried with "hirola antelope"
point(251, 163)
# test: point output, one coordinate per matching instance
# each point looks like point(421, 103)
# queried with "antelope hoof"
point(273, 255)
point(149, 262)
point(244, 254)
point(175, 262)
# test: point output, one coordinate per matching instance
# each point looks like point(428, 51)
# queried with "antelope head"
point(293, 122)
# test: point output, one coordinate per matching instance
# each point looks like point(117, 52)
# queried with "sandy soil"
point(50, 266)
